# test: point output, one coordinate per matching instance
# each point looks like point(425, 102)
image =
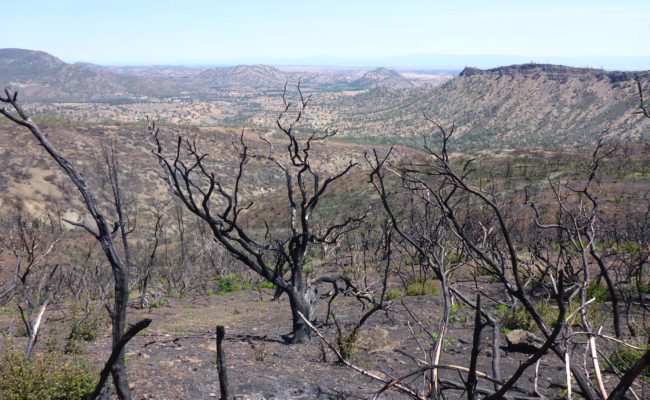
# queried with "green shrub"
point(549, 312)
point(228, 283)
point(308, 271)
point(157, 303)
point(347, 348)
point(422, 287)
point(393, 294)
point(248, 285)
point(47, 378)
point(456, 259)
point(73, 347)
point(86, 329)
point(500, 309)
point(631, 248)
point(267, 285)
point(520, 318)
point(480, 271)
point(453, 311)
point(598, 291)
point(446, 342)
point(625, 357)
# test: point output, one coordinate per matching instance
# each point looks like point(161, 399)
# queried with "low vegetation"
point(48, 377)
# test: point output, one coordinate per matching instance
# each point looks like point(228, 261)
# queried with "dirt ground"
point(175, 357)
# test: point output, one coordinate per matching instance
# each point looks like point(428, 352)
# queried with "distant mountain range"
point(41, 76)
point(513, 106)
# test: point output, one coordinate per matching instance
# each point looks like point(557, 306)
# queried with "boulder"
point(522, 341)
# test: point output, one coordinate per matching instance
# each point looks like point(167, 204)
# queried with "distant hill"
point(19, 64)
point(517, 106)
point(264, 77)
point(243, 77)
point(42, 77)
point(383, 77)
point(39, 76)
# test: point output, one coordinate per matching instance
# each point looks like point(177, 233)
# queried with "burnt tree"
point(279, 257)
point(32, 241)
point(101, 231)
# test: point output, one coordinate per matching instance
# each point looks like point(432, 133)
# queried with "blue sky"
point(203, 32)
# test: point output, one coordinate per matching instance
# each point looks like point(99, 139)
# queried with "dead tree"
point(576, 232)
point(125, 222)
point(372, 295)
point(426, 230)
point(643, 106)
point(477, 218)
point(278, 257)
point(101, 231)
point(149, 265)
point(32, 243)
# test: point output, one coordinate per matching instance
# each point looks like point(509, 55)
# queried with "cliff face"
point(557, 72)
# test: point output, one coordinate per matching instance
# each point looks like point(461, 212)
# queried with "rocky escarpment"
point(556, 72)
point(527, 105)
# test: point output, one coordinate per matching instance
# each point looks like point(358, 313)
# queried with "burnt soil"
point(175, 357)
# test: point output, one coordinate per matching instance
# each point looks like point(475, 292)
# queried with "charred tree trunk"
point(301, 303)
point(118, 370)
point(221, 365)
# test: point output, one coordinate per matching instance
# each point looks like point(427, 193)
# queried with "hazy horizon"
point(415, 62)
point(417, 34)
